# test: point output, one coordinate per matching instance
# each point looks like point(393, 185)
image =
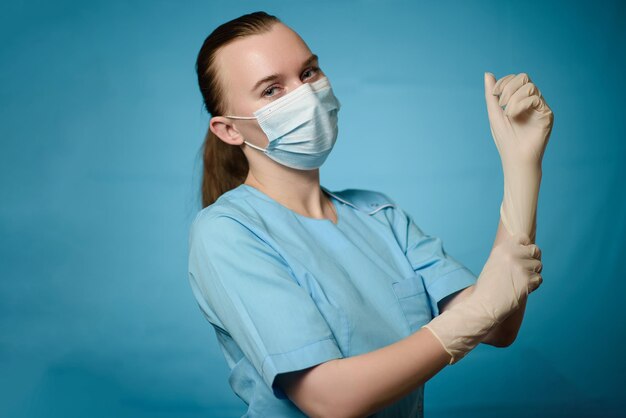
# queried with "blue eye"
point(312, 69)
point(267, 90)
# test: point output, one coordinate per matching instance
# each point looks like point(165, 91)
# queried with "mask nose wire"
point(316, 86)
point(239, 117)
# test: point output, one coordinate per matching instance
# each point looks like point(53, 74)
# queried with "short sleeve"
point(245, 287)
point(442, 274)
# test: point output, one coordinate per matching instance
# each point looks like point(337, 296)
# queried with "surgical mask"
point(301, 126)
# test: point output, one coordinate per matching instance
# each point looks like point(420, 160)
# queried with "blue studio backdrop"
point(100, 134)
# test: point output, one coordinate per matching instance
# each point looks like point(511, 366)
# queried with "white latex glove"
point(509, 275)
point(521, 132)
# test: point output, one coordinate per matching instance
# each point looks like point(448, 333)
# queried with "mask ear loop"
point(247, 143)
point(254, 146)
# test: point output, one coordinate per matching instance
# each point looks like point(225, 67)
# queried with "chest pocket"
point(413, 300)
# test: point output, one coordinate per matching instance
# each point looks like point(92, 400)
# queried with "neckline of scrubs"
point(332, 198)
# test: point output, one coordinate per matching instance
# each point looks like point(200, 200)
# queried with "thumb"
point(493, 107)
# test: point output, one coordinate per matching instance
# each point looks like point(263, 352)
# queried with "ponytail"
point(225, 166)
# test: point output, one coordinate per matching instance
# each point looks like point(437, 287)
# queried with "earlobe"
point(224, 129)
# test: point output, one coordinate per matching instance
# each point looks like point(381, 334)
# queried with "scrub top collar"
point(369, 203)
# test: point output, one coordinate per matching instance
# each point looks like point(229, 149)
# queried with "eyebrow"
point(273, 77)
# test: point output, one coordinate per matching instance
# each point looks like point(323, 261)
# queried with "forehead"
point(245, 61)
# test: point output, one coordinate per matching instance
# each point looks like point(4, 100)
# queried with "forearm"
point(360, 385)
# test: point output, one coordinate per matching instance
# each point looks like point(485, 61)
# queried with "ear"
point(225, 130)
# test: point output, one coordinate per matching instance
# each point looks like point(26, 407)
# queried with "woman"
point(335, 303)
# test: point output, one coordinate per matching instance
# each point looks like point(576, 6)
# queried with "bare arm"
point(505, 333)
point(360, 385)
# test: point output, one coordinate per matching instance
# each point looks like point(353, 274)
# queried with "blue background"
point(101, 127)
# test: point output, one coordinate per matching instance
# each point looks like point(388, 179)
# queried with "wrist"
point(514, 166)
point(462, 327)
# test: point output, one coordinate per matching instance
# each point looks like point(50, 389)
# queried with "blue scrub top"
point(285, 292)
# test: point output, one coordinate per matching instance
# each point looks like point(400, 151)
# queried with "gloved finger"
point(497, 89)
point(543, 107)
point(496, 117)
point(530, 251)
point(534, 282)
point(511, 87)
point(531, 264)
point(525, 90)
point(535, 251)
point(523, 105)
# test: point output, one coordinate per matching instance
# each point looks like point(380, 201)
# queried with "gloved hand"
point(521, 132)
point(509, 275)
